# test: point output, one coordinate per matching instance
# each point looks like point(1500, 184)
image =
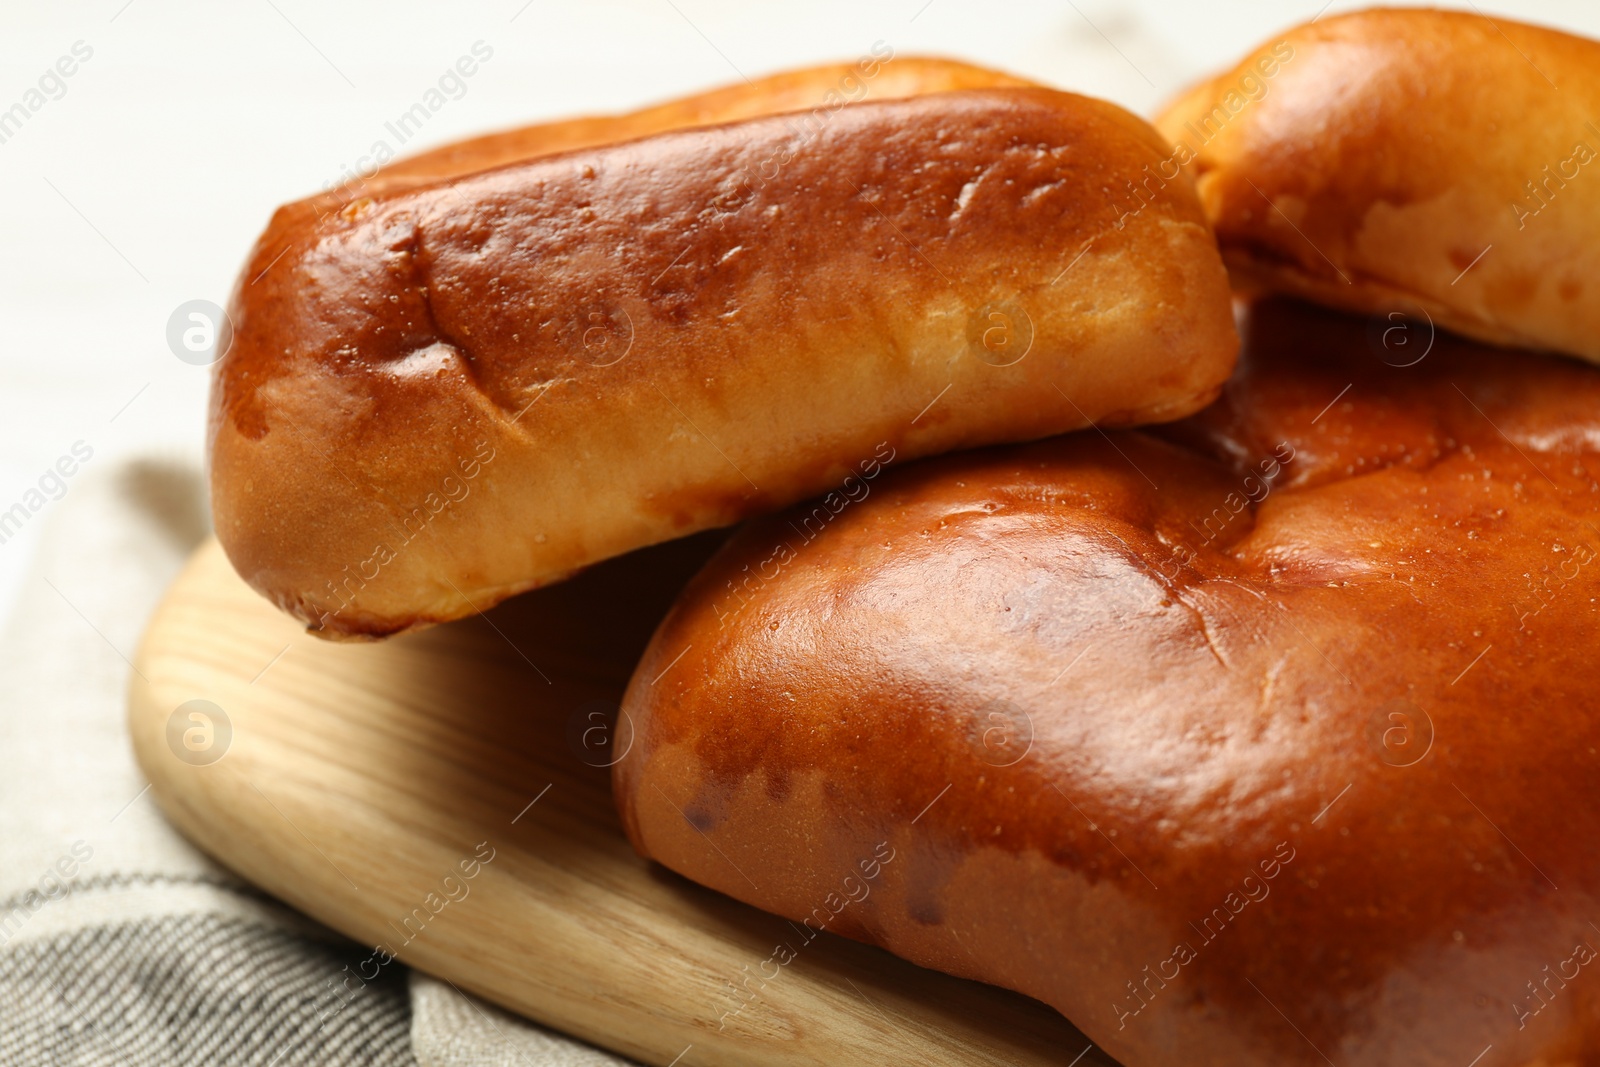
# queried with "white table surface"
point(145, 183)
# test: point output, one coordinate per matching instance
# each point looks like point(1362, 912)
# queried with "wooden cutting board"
point(444, 796)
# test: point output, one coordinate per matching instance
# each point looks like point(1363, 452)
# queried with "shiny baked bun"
point(811, 94)
point(442, 394)
point(1264, 740)
point(1428, 162)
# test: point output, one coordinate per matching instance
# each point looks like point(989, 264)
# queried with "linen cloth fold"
point(120, 943)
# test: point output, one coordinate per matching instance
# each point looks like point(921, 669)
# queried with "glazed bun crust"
point(443, 394)
point(1261, 737)
point(1427, 162)
point(808, 94)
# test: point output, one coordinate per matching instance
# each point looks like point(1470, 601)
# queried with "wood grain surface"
point(444, 797)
